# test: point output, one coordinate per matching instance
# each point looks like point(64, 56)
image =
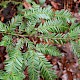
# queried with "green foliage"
point(63, 15)
point(76, 49)
point(38, 12)
point(3, 27)
point(46, 68)
point(47, 49)
point(33, 66)
point(5, 2)
point(58, 27)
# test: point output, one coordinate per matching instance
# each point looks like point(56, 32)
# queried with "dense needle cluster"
point(30, 35)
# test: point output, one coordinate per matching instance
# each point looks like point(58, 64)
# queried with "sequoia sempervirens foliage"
point(30, 35)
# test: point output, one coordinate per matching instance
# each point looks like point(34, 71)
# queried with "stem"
point(20, 35)
point(15, 34)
